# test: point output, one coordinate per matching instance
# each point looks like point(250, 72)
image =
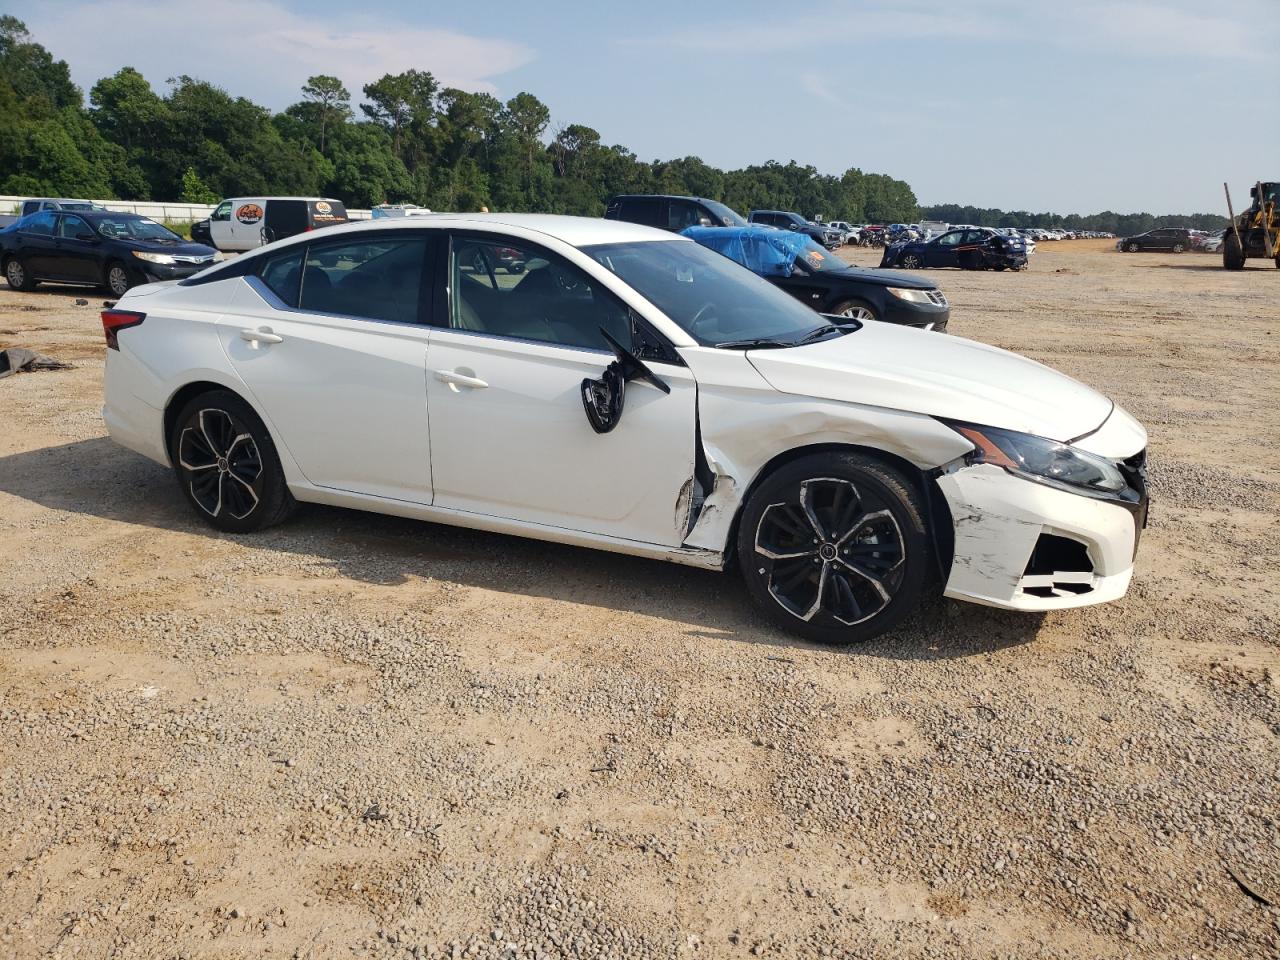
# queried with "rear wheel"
point(834, 547)
point(227, 465)
point(15, 272)
point(855, 310)
point(1232, 253)
point(1132, 247)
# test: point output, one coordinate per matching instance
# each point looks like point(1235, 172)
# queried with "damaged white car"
point(609, 385)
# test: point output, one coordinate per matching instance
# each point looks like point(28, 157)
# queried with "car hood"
point(885, 278)
point(901, 368)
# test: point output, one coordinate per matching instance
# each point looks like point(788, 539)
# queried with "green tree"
point(195, 190)
point(329, 102)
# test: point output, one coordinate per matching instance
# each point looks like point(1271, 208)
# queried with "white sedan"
point(599, 383)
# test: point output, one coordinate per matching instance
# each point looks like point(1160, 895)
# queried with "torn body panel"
point(744, 425)
point(999, 525)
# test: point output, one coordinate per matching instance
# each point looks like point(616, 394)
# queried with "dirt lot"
point(357, 735)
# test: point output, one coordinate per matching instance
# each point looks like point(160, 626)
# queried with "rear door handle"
point(261, 336)
point(460, 379)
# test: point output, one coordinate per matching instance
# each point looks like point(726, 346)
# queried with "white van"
point(242, 223)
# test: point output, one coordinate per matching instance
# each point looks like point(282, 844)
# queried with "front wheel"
point(118, 279)
point(1132, 247)
point(15, 272)
point(912, 262)
point(227, 465)
point(1232, 253)
point(834, 547)
point(855, 310)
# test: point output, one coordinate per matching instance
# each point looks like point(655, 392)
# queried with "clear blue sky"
point(1023, 104)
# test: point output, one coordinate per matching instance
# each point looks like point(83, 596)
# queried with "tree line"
point(1121, 224)
point(407, 140)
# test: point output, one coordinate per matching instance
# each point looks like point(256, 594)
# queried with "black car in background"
point(820, 279)
point(786, 220)
point(96, 248)
point(1175, 239)
point(973, 248)
point(671, 212)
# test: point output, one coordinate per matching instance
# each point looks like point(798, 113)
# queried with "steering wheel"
point(703, 312)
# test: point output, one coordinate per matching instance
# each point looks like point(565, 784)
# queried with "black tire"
point(911, 261)
point(18, 276)
point(1232, 253)
point(855, 309)
point(1132, 247)
point(117, 279)
point(812, 576)
point(226, 464)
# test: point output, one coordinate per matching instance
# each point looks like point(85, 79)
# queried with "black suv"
point(1176, 239)
point(671, 213)
point(786, 220)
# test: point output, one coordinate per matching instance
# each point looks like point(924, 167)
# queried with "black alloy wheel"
point(227, 464)
point(912, 262)
point(834, 547)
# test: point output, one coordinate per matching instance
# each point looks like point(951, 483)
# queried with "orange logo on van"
point(322, 206)
point(249, 213)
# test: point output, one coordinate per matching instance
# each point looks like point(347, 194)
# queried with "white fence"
point(156, 209)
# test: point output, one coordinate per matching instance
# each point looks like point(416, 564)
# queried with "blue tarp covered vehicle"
point(763, 250)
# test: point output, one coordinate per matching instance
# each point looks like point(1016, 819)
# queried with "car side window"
point(70, 227)
point(42, 224)
point(223, 211)
point(950, 239)
point(283, 274)
point(644, 210)
point(508, 288)
point(379, 278)
point(683, 214)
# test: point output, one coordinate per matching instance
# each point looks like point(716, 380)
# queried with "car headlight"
point(153, 257)
point(1047, 461)
point(911, 296)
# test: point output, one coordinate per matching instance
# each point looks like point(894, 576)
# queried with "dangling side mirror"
point(603, 399)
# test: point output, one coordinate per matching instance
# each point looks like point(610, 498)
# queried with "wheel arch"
point(937, 511)
point(185, 393)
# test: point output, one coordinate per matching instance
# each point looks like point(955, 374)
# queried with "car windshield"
point(814, 259)
point(727, 216)
point(134, 228)
point(713, 299)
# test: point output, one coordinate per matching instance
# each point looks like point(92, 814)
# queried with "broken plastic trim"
point(603, 398)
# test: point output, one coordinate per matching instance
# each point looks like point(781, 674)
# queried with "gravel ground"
point(363, 736)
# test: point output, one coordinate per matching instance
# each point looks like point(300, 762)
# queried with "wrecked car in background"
point(973, 248)
point(821, 280)
point(633, 391)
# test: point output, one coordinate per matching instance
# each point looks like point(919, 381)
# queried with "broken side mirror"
point(603, 398)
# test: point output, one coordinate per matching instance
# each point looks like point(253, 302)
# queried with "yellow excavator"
point(1256, 232)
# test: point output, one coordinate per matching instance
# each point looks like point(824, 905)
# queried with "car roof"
point(99, 214)
point(661, 196)
point(575, 231)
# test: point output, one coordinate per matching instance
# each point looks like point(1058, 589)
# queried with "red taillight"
point(113, 321)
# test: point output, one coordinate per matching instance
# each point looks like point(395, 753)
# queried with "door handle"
point(260, 336)
point(460, 379)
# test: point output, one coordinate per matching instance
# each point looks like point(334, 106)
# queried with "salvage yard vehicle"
point(671, 212)
point(972, 248)
point(1173, 239)
point(632, 391)
point(96, 248)
point(244, 223)
point(824, 282)
point(787, 220)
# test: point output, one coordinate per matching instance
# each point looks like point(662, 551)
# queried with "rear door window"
point(377, 278)
point(42, 224)
point(645, 210)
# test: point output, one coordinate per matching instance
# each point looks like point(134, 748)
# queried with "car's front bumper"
point(170, 271)
point(1001, 520)
point(931, 316)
